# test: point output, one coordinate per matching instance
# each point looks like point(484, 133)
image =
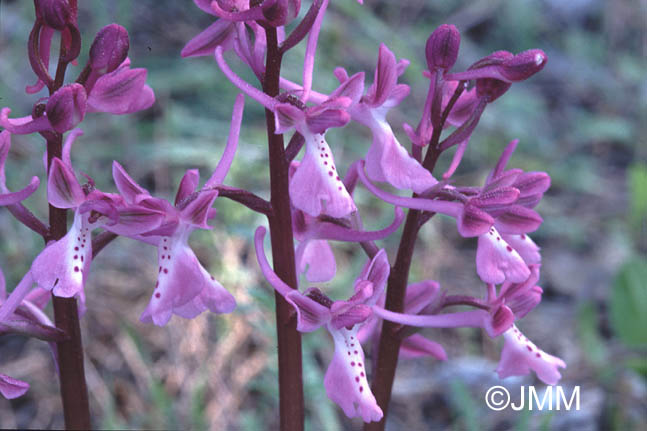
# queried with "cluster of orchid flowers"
point(500, 214)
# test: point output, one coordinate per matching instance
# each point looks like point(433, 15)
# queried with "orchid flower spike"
point(345, 380)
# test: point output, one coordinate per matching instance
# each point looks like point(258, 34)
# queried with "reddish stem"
point(389, 347)
point(289, 340)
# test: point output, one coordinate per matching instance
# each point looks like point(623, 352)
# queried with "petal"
point(387, 160)
point(473, 221)
point(63, 265)
point(218, 33)
point(516, 219)
point(287, 117)
point(117, 92)
point(420, 295)
point(520, 355)
point(188, 185)
point(325, 120)
point(214, 297)
point(316, 259)
point(63, 189)
point(316, 187)
point(347, 317)
point(135, 220)
point(417, 346)
point(196, 212)
point(310, 314)
point(377, 272)
point(128, 188)
point(352, 88)
point(499, 321)
point(12, 388)
point(23, 125)
point(180, 279)
point(525, 246)
point(497, 261)
point(345, 379)
point(386, 77)
point(20, 195)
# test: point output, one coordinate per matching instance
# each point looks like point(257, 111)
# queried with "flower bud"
point(523, 65)
point(66, 107)
point(55, 13)
point(109, 48)
point(442, 47)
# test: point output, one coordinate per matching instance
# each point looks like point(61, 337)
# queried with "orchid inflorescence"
point(314, 195)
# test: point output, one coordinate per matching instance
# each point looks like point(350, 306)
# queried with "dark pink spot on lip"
point(529, 348)
point(355, 352)
point(157, 295)
point(361, 389)
point(507, 247)
point(165, 271)
point(81, 258)
point(76, 249)
point(357, 379)
point(340, 188)
point(523, 236)
point(498, 238)
point(76, 269)
point(361, 374)
point(76, 257)
point(325, 163)
point(538, 355)
point(330, 173)
point(352, 364)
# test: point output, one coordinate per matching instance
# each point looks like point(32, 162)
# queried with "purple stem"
point(289, 340)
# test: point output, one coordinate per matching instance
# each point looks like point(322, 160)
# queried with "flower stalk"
point(280, 221)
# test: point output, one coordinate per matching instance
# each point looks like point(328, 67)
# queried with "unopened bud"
point(66, 107)
point(442, 47)
point(524, 65)
point(55, 13)
point(109, 49)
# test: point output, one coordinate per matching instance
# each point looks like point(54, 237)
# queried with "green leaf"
point(589, 338)
point(637, 178)
point(629, 302)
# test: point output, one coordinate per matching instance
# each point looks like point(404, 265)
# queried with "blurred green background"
point(582, 119)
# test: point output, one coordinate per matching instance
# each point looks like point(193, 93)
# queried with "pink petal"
point(497, 261)
point(345, 379)
point(63, 189)
point(21, 195)
point(516, 219)
point(63, 264)
point(310, 314)
point(325, 120)
point(12, 388)
point(24, 125)
point(316, 187)
point(417, 346)
point(213, 297)
point(287, 117)
point(387, 160)
point(520, 355)
point(128, 188)
point(316, 259)
point(420, 295)
point(347, 315)
point(218, 33)
point(118, 92)
point(386, 77)
point(135, 220)
point(351, 88)
point(473, 221)
point(377, 272)
point(525, 246)
point(180, 279)
point(188, 185)
point(196, 212)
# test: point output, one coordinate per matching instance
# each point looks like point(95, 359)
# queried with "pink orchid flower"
point(345, 380)
point(184, 287)
point(64, 264)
